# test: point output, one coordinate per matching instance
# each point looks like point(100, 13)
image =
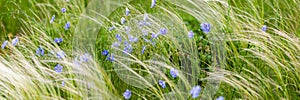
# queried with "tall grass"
point(236, 59)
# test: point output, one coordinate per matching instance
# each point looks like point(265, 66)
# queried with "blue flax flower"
point(40, 51)
point(191, 34)
point(174, 72)
point(127, 12)
point(163, 31)
point(4, 44)
point(162, 83)
point(264, 28)
point(111, 28)
point(110, 57)
point(63, 10)
point(67, 26)
point(119, 38)
point(153, 3)
point(52, 19)
point(58, 40)
point(85, 57)
point(127, 47)
point(127, 94)
point(205, 27)
point(105, 52)
point(146, 17)
point(123, 20)
point(133, 39)
point(143, 49)
point(58, 68)
point(60, 54)
point(116, 44)
point(220, 98)
point(195, 92)
point(15, 41)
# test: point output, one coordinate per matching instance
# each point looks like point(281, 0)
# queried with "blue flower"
point(52, 19)
point(162, 83)
point(15, 41)
point(163, 31)
point(63, 83)
point(60, 54)
point(195, 92)
point(85, 57)
point(115, 44)
point(40, 51)
point(111, 28)
point(133, 39)
point(153, 3)
point(146, 17)
point(143, 50)
point(127, 29)
point(205, 27)
point(264, 28)
point(110, 57)
point(67, 26)
point(220, 98)
point(58, 40)
point(153, 36)
point(127, 94)
point(58, 68)
point(119, 38)
point(105, 52)
point(174, 72)
point(63, 10)
point(127, 47)
point(191, 34)
point(127, 12)
point(123, 20)
point(4, 44)
point(145, 32)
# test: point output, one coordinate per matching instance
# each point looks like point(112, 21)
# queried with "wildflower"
point(123, 20)
point(133, 39)
point(162, 83)
point(15, 41)
point(110, 57)
point(220, 98)
point(58, 40)
point(154, 35)
point(174, 72)
point(105, 52)
point(127, 29)
point(63, 83)
point(145, 32)
point(52, 19)
point(205, 27)
point(4, 44)
point(40, 51)
point(116, 44)
point(264, 28)
point(127, 94)
point(195, 91)
point(153, 3)
point(127, 12)
point(67, 26)
point(85, 57)
point(63, 10)
point(163, 31)
point(146, 17)
point(67, 0)
point(191, 34)
point(60, 54)
point(58, 68)
point(119, 38)
point(128, 47)
point(143, 50)
point(111, 28)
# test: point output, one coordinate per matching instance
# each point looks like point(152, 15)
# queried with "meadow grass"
point(236, 59)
